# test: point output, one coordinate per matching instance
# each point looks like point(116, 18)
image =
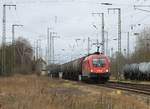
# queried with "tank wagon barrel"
point(139, 71)
point(72, 69)
point(53, 70)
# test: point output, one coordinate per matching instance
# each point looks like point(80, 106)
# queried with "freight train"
point(95, 67)
point(135, 71)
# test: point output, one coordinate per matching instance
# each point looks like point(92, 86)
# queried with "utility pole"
point(53, 47)
point(13, 44)
point(40, 50)
point(103, 38)
point(50, 61)
point(37, 49)
point(106, 42)
point(112, 52)
point(48, 45)
point(119, 27)
point(52, 42)
point(128, 45)
point(119, 38)
point(102, 31)
point(88, 45)
point(34, 50)
point(4, 37)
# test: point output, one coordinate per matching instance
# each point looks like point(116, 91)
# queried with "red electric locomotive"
point(95, 66)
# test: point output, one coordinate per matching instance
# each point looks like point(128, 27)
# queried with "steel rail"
point(137, 88)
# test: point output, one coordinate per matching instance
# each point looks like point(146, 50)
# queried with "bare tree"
point(142, 49)
point(24, 55)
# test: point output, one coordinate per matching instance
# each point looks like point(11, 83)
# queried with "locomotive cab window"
point(98, 62)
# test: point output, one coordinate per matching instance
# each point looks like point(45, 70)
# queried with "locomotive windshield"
point(98, 62)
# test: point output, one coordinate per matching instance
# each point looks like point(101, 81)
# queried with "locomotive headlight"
point(107, 70)
point(91, 70)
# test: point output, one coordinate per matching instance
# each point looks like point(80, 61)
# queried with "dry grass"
point(33, 92)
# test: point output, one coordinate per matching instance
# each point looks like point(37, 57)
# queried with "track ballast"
point(136, 88)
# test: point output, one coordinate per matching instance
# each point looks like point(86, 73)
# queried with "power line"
point(102, 29)
point(54, 2)
point(142, 9)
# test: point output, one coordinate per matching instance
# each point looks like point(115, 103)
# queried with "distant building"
point(41, 67)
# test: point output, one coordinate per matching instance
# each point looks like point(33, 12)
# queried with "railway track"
point(136, 88)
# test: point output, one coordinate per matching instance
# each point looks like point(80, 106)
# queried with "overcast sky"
point(74, 21)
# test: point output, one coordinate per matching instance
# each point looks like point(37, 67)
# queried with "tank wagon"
point(139, 71)
point(53, 70)
point(95, 67)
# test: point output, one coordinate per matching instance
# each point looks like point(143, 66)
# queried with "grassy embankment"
point(33, 92)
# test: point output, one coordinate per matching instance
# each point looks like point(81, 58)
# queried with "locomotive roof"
point(96, 54)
